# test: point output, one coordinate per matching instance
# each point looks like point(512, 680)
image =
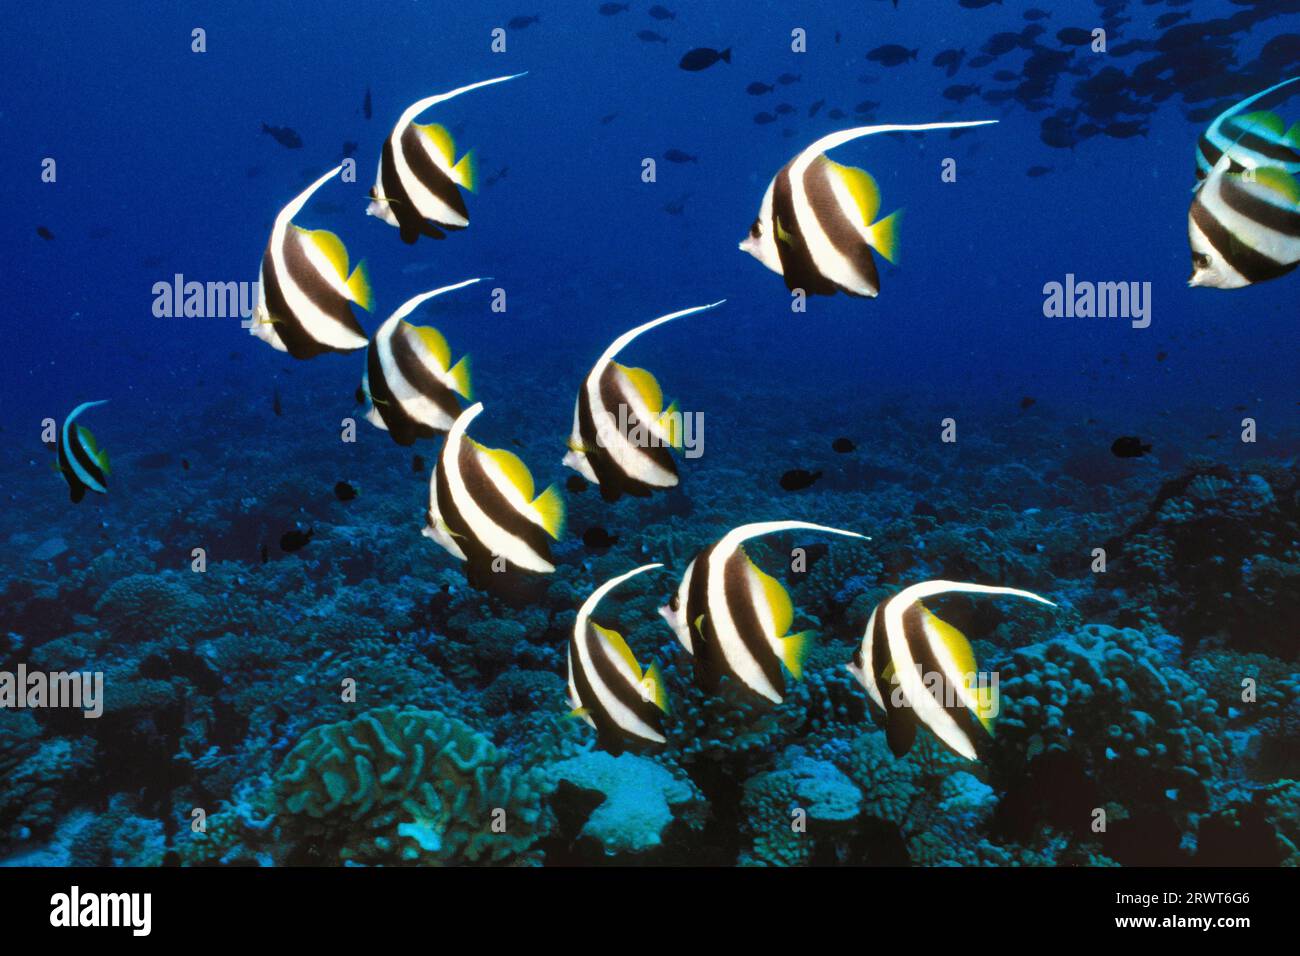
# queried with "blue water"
point(162, 169)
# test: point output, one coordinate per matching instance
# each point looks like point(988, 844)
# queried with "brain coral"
point(396, 785)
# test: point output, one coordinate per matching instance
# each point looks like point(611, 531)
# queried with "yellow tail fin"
point(359, 286)
point(883, 236)
point(550, 508)
point(465, 171)
point(794, 651)
point(460, 375)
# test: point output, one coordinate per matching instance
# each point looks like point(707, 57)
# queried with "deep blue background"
point(154, 147)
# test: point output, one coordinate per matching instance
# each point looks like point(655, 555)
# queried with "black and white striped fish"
point(1243, 227)
point(410, 382)
point(482, 506)
point(607, 687)
point(621, 432)
point(417, 188)
point(817, 225)
point(1258, 138)
point(733, 618)
point(305, 290)
point(921, 670)
point(83, 464)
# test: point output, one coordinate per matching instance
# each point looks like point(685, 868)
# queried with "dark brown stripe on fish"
point(430, 174)
point(1254, 266)
point(797, 266)
point(835, 225)
point(740, 591)
point(1240, 199)
point(494, 504)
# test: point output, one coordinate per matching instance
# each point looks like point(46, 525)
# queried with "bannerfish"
point(83, 464)
point(410, 380)
point(660, 12)
point(344, 491)
point(305, 288)
point(703, 57)
point(908, 649)
point(734, 618)
point(607, 687)
point(523, 22)
point(758, 89)
point(609, 9)
point(843, 446)
point(1256, 139)
point(482, 506)
point(817, 224)
point(45, 233)
point(1244, 227)
point(621, 432)
point(680, 156)
point(417, 188)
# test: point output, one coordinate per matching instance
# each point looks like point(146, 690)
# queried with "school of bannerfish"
point(818, 226)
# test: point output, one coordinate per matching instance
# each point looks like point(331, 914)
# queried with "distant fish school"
point(817, 226)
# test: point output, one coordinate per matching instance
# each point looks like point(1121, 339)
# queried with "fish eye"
point(1200, 260)
point(756, 229)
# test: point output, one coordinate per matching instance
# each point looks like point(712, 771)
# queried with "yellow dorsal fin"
point(102, 457)
point(579, 712)
point(330, 246)
point(671, 423)
point(550, 508)
point(434, 341)
point(460, 376)
point(513, 468)
point(465, 171)
point(777, 600)
point(1292, 137)
point(1264, 121)
point(794, 651)
point(1279, 181)
point(645, 386)
point(619, 646)
point(883, 236)
point(652, 684)
point(963, 656)
point(88, 439)
point(359, 286)
point(887, 674)
point(441, 140)
point(862, 187)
